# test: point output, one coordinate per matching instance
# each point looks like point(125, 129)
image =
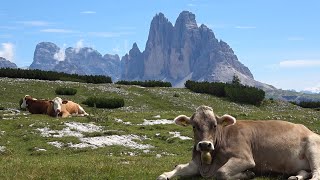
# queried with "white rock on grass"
point(158, 121)
point(73, 129)
point(76, 129)
point(121, 121)
point(84, 127)
point(2, 148)
point(120, 140)
point(177, 135)
point(56, 144)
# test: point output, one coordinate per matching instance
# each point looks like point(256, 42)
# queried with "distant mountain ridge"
point(83, 61)
point(173, 53)
point(4, 63)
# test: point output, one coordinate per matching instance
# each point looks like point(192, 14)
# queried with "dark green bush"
point(65, 91)
point(235, 91)
point(146, 83)
point(309, 104)
point(214, 88)
point(102, 102)
point(245, 94)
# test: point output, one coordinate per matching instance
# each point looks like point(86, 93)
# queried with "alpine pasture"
point(137, 141)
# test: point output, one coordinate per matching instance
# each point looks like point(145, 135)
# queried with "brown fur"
point(40, 106)
point(245, 147)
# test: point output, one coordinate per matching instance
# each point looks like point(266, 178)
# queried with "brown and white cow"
point(226, 149)
point(67, 108)
point(35, 106)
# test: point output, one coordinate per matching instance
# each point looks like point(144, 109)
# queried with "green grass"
point(22, 141)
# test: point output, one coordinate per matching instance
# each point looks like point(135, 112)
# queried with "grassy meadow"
point(26, 153)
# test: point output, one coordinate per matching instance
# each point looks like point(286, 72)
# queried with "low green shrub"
point(65, 91)
point(102, 102)
point(245, 94)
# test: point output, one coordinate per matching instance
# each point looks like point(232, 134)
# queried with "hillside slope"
point(121, 143)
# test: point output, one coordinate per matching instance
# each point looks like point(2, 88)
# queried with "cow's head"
point(206, 126)
point(57, 103)
point(24, 104)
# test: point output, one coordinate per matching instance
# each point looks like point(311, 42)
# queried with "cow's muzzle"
point(205, 146)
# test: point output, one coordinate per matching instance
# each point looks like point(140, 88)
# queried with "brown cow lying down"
point(66, 108)
point(225, 149)
point(35, 106)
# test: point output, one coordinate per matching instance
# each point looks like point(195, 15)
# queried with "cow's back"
point(38, 106)
point(277, 146)
point(72, 107)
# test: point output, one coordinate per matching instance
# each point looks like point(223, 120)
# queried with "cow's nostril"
point(209, 145)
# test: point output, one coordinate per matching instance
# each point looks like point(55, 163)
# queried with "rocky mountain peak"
point(4, 63)
point(186, 19)
point(111, 57)
point(135, 51)
point(44, 56)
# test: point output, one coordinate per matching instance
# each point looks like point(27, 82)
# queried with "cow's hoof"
point(250, 174)
point(162, 177)
point(293, 178)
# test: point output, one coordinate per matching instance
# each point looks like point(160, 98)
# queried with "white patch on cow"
point(57, 102)
point(24, 102)
point(154, 122)
point(178, 135)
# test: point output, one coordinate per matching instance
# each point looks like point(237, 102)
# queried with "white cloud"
point(299, 63)
point(245, 27)
point(34, 23)
point(60, 56)
point(57, 31)
point(7, 51)
point(315, 89)
point(79, 45)
point(88, 12)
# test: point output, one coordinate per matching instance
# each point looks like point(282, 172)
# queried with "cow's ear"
point(51, 102)
point(182, 120)
point(64, 102)
point(226, 120)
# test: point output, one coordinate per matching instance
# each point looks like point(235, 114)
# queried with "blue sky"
point(278, 40)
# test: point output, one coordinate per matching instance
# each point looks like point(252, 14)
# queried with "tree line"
point(150, 83)
point(52, 76)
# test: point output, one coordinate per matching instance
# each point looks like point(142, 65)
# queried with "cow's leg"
point(313, 156)
point(188, 169)
point(236, 168)
point(302, 175)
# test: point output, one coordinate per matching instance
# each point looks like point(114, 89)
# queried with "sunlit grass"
point(24, 157)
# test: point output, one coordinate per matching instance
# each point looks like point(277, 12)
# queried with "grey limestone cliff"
point(4, 63)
